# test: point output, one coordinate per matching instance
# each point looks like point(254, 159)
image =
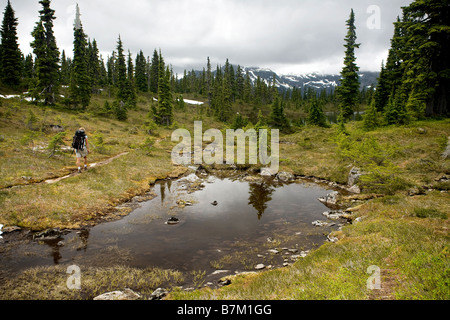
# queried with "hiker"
point(81, 146)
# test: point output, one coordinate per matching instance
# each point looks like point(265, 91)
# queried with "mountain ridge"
point(313, 80)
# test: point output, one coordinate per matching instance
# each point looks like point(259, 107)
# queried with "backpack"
point(79, 139)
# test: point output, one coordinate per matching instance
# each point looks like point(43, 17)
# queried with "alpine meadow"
point(330, 183)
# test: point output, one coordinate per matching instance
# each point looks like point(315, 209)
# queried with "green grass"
point(50, 283)
point(412, 253)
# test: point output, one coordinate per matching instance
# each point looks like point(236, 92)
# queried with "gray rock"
point(333, 214)
point(354, 189)
point(126, 294)
point(224, 282)
point(353, 176)
point(285, 176)
point(266, 172)
point(260, 266)
point(319, 223)
point(158, 294)
point(173, 220)
point(330, 199)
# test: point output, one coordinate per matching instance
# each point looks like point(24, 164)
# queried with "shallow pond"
point(221, 223)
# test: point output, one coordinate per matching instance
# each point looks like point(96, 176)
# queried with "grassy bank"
point(404, 231)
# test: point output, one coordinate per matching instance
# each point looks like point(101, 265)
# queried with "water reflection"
point(204, 233)
point(260, 195)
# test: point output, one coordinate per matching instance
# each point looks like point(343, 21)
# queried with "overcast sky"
point(287, 36)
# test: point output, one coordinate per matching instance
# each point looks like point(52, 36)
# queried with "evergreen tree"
point(165, 101)
point(80, 85)
point(47, 55)
point(239, 122)
point(391, 74)
point(154, 73)
point(395, 111)
point(141, 72)
point(240, 83)
point(428, 64)
point(28, 69)
point(121, 73)
point(64, 74)
point(277, 118)
point(247, 88)
point(94, 66)
point(348, 90)
point(370, 119)
point(10, 55)
point(225, 95)
point(209, 84)
point(316, 116)
point(417, 73)
point(131, 83)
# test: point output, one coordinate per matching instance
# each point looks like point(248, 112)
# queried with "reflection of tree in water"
point(162, 189)
point(260, 195)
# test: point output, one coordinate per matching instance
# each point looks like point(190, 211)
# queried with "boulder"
point(319, 223)
point(285, 176)
point(333, 214)
point(126, 294)
point(266, 172)
point(173, 220)
point(353, 176)
point(330, 199)
point(158, 294)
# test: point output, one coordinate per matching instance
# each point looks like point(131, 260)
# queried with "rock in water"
point(285, 176)
point(330, 199)
point(173, 220)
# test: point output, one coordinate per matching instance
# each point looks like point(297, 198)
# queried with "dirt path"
point(73, 174)
point(92, 165)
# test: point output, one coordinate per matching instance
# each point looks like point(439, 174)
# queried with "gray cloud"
point(289, 36)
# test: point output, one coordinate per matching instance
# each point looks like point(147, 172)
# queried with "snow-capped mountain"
point(312, 80)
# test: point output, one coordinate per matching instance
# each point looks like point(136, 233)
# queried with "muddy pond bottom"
point(198, 222)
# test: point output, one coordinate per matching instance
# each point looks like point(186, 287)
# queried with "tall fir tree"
point(121, 73)
point(94, 66)
point(10, 55)
point(47, 55)
point(348, 90)
point(427, 80)
point(391, 73)
point(80, 84)
point(131, 95)
point(64, 74)
point(209, 84)
point(165, 100)
point(141, 72)
point(154, 72)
